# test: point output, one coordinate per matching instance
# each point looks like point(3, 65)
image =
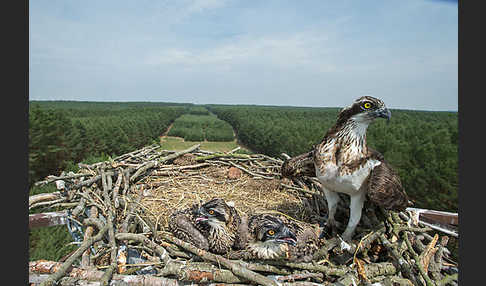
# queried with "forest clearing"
point(178, 144)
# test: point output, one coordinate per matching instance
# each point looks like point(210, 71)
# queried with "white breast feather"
point(265, 250)
point(345, 183)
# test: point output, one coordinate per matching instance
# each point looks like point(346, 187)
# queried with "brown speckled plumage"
point(301, 165)
point(260, 246)
point(220, 233)
point(344, 163)
point(182, 225)
point(385, 188)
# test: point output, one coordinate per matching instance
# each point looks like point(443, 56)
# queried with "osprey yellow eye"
point(211, 212)
point(271, 232)
point(367, 105)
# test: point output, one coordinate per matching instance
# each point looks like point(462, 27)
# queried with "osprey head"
point(271, 230)
point(214, 212)
point(364, 110)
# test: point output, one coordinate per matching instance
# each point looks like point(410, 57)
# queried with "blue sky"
point(298, 53)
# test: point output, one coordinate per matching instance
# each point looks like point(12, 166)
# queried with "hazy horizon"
point(269, 105)
point(274, 53)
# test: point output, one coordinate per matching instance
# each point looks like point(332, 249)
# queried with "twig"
point(200, 272)
point(51, 179)
point(154, 163)
point(403, 264)
point(164, 255)
point(447, 279)
point(420, 267)
point(51, 280)
point(111, 232)
point(300, 276)
point(85, 261)
point(47, 203)
point(116, 203)
point(222, 155)
point(262, 267)
point(335, 271)
point(302, 190)
point(250, 172)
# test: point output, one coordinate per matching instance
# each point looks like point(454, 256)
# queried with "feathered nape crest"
point(352, 123)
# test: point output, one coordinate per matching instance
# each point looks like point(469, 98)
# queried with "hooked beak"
point(288, 237)
point(383, 113)
point(202, 218)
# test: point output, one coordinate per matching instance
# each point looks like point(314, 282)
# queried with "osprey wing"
point(298, 166)
point(385, 188)
point(181, 224)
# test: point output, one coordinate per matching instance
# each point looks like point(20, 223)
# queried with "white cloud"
point(303, 50)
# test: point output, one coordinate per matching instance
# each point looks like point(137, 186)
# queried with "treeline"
point(201, 127)
point(421, 145)
point(61, 134)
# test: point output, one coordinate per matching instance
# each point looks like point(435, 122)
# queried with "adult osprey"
point(345, 164)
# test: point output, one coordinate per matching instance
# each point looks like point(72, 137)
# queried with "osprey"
point(268, 238)
point(215, 226)
point(279, 237)
point(344, 163)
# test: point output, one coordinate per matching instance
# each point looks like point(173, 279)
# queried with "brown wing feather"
point(182, 226)
point(300, 165)
point(385, 188)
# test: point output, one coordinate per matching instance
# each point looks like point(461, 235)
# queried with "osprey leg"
point(355, 210)
point(332, 199)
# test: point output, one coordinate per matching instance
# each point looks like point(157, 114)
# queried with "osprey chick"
point(269, 238)
point(277, 237)
point(214, 226)
point(345, 164)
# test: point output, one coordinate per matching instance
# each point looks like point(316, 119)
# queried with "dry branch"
point(164, 255)
point(198, 272)
point(154, 163)
point(106, 181)
point(39, 269)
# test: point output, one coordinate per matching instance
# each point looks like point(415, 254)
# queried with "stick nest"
point(118, 210)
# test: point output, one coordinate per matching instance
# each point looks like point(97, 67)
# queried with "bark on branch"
point(236, 268)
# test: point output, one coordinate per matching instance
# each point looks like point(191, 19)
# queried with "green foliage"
point(63, 133)
point(201, 127)
point(421, 145)
point(50, 188)
point(198, 110)
point(48, 242)
point(51, 243)
point(47, 141)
